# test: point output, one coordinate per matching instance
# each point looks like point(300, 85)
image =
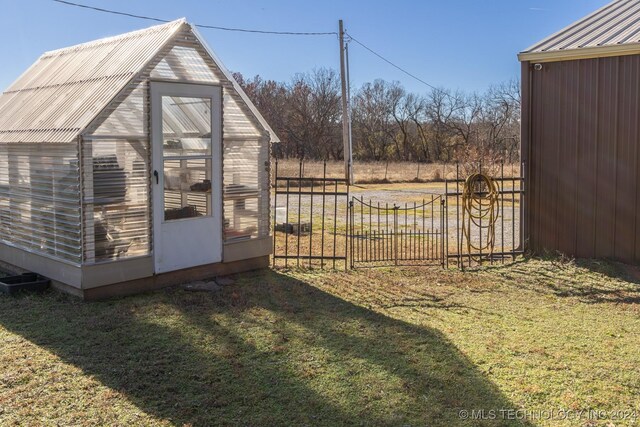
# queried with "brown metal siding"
point(580, 145)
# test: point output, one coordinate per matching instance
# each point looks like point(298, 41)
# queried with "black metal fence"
point(471, 219)
point(486, 225)
point(412, 234)
point(310, 220)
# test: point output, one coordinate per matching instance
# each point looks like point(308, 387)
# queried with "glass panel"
point(187, 180)
point(186, 126)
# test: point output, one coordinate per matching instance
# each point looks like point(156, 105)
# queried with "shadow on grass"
point(591, 281)
point(612, 269)
point(269, 350)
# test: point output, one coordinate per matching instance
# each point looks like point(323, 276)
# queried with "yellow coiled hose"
point(480, 208)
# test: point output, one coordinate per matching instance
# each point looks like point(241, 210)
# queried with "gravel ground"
point(406, 194)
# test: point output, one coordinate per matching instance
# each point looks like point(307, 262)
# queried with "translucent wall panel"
point(116, 199)
point(128, 117)
point(184, 63)
point(245, 195)
point(245, 152)
point(236, 124)
point(40, 199)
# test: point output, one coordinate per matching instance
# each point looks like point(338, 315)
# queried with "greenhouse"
point(130, 163)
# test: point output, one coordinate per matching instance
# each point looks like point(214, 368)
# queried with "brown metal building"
point(581, 136)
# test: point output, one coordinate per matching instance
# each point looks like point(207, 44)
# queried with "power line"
point(212, 27)
point(246, 30)
point(391, 63)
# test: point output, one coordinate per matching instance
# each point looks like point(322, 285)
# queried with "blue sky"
point(459, 44)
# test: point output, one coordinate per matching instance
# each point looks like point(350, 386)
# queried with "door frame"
point(158, 89)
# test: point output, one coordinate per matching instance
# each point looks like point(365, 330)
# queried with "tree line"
point(389, 123)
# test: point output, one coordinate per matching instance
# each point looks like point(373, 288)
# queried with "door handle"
point(155, 173)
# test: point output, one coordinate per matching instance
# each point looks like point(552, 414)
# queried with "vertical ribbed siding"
point(583, 181)
point(40, 199)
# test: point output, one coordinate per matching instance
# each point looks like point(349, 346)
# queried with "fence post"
point(395, 233)
point(524, 215)
point(350, 232)
point(275, 211)
point(445, 235)
point(441, 232)
point(458, 219)
point(346, 229)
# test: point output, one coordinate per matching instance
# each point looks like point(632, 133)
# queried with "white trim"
point(196, 241)
point(582, 53)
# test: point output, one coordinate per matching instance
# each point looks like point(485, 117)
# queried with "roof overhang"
point(582, 53)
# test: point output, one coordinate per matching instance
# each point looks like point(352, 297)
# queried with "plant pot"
point(24, 282)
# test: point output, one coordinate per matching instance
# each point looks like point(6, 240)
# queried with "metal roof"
point(65, 89)
point(611, 30)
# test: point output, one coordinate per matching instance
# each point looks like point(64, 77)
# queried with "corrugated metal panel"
point(65, 89)
point(615, 24)
point(583, 157)
point(40, 199)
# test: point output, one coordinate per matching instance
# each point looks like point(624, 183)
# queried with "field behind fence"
point(381, 172)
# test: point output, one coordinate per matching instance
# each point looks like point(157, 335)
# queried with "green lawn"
point(396, 347)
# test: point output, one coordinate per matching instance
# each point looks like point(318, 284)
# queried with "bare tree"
point(313, 115)
point(373, 120)
point(442, 110)
point(502, 120)
point(388, 122)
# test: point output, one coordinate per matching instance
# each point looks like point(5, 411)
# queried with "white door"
point(186, 174)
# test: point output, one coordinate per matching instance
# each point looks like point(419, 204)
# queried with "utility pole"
point(346, 140)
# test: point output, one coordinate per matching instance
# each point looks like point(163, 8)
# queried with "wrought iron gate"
point(317, 224)
point(413, 234)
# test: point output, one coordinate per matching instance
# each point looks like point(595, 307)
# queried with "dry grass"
point(381, 347)
point(380, 172)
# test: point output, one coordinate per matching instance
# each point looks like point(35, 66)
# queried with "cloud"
point(538, 9)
